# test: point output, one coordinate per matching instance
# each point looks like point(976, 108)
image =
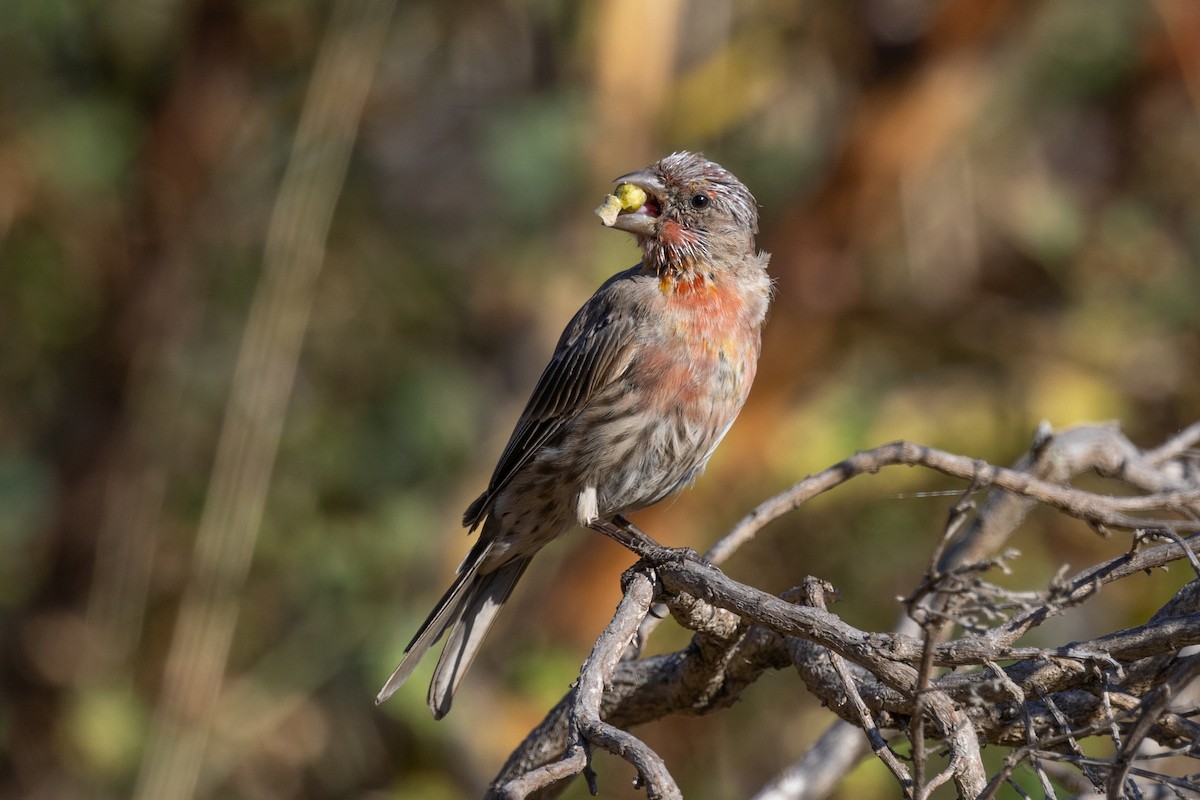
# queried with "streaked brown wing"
point(592, 352)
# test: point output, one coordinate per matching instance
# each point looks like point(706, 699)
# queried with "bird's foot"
point(682, 554)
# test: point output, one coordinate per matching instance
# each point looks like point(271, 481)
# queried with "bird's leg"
point(629, 536)
point(633, 538)
point(676, 552)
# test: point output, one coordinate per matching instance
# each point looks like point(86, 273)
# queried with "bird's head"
point(695, 212)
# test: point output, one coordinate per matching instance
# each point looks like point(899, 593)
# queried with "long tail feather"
point(479, 609)
point(447, 612)
point(467, 610)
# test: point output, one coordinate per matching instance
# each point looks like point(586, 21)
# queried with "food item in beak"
point(627, 197)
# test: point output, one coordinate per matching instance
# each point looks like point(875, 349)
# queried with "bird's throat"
point(674, 249)
point(685, 284)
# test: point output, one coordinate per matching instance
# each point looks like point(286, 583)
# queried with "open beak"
point(641, 221)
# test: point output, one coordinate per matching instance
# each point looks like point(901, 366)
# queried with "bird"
point(643, 384)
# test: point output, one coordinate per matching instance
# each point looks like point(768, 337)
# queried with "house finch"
point(645, 381)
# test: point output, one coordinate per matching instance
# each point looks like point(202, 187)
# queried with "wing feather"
point(592, 352)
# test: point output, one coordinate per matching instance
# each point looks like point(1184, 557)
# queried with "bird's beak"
point(642, 221)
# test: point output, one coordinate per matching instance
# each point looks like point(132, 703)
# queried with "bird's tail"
point(467, 610)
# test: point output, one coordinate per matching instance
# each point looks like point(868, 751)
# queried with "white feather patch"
point(587, 508)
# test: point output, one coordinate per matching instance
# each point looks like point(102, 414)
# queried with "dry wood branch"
point(1110, 453)
point(815, 592)
point(585, 725)
point(1042, 702)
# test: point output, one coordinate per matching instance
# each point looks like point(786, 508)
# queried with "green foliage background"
point(982, 215)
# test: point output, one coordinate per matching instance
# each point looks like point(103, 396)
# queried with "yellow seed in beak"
point(632, 197)
point(627, 198)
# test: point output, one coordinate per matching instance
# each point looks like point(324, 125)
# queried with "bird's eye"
point(700, 200)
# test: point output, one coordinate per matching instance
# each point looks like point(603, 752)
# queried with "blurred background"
point(982, 215)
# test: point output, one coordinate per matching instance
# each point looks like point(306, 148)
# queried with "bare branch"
point(1184, 672)
point(816, 591)
point(585, 721)
point(1097, 509)
point(1043, 703)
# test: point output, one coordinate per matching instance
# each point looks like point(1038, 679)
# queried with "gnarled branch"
point(1041, 702)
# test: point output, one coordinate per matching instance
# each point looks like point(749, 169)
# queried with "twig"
point(1018, 694)
point(1097, 509)
point(816, 591)
point(585, 721)
point(573, 763)
point(1064, 726)
point(1187, 549)
point(1184, 673)
point(933, 628)
point(1174, 447)
point(1087, 582)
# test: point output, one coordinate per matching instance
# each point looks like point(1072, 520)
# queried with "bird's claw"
point(680, 555)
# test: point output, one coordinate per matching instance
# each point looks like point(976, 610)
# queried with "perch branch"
point(1041, 704)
